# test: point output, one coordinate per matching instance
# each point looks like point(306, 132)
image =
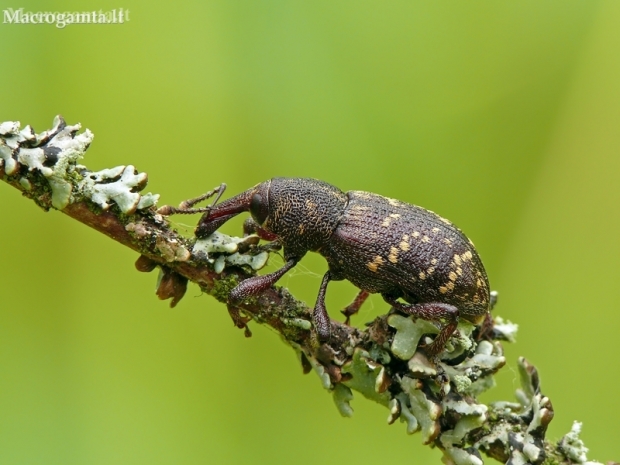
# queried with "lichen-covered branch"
point(384, 363)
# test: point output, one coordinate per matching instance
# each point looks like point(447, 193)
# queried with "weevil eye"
point(259, 208)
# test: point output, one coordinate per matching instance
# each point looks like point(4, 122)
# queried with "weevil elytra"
point(419, 262)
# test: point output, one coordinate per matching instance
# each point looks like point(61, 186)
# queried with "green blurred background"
point(502, 116)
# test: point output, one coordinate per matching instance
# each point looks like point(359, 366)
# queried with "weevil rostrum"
point(420, 263)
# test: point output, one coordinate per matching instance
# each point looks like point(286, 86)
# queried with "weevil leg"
point(433, 311)
point(354, 306)
point(319, 315)
point(186, 207)
point(485, 330)
point(252, 227)
point(257, 284)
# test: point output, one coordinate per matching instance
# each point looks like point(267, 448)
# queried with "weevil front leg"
point(433, 311)
point(258, 284)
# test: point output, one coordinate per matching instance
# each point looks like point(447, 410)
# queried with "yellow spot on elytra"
point(431, 270)
point(434, 261)
point(386, 222)
point(435, 230)
point(466, 256)
point(457, 259)
point(395, 215)
point(393, 202)
point(459, 271)
point(452, 276)
point(476, 299)
point(404, 246)
point(415, 234)
point(447, 242)
point(372, 266)
point(393, 257)
point(426, 239)
point(405, 237)
point(422, 275)
point(443, 289)
point(450, 285)
point(478, 282)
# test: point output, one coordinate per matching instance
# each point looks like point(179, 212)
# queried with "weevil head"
point(259, 202)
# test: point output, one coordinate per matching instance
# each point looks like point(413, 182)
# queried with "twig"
point(436, 397)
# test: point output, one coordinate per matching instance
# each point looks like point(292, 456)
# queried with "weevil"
point(420, 263)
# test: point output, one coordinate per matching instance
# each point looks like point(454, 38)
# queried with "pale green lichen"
point(10, 139)
point(472, 416)
point(506, 329)
point(408, 334)
point(298, 323)
point(25, 183)
point(466, 424)
point(55, 153)
point(458, 456)
point(171, 250)
point(221, 250)
point(405, 414)
point(430, 388)
point(9, 128)
point(219, 243)
point(67, 148)
point(117, 185)
point(319, 369)
point(147, 200)
point(421, 367)
point(6, 160)
point(366, 377)
point(342, 395)
point(573, 448)
point(379, 354)
point(486, 360)
point(426, 410)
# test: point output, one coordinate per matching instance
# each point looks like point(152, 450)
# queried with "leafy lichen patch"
point(365, 377)
point(408, 334)
point(221, 250)
point(117, 185)
point(54, 153)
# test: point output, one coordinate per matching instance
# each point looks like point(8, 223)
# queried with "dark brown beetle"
point(379, 244)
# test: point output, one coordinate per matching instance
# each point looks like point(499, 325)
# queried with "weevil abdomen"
point(392, 247)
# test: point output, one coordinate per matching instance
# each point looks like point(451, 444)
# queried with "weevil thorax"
point(303, 213)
